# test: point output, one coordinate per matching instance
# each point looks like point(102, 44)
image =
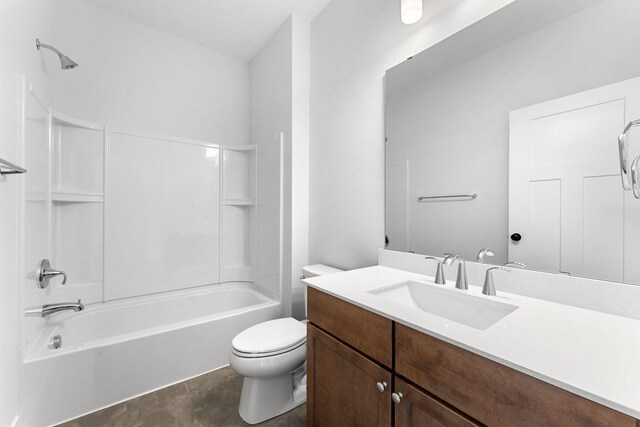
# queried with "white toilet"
point(271, 357)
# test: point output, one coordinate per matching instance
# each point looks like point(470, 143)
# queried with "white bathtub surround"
point(592, 352)
point(117, 350)
point(93, 206)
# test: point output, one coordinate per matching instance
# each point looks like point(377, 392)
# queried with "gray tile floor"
point(209, 400)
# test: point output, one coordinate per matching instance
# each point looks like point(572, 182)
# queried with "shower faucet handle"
point(44, 273)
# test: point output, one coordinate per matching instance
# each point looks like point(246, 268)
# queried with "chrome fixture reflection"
point(461, 281)
point(440, 280)
point(516, 264)
point(449, 197)
point(44, 273)
point(65, 62)
point(489, 287)
point(623, 151)
point(483, 253)
point(49, 309)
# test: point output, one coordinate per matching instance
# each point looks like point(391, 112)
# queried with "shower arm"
point(47, 46)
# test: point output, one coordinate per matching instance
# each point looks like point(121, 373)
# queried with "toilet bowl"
point(267, 355)
point(271, 356)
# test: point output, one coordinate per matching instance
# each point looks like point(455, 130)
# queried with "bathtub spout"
point(49, 309)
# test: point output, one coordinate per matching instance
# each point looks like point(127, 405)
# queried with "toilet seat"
point(270, 338)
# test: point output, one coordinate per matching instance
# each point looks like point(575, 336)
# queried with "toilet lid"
point(272, 336)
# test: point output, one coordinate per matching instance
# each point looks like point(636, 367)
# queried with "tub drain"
point(55, 342)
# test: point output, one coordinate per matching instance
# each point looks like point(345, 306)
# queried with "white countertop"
point(589, 353)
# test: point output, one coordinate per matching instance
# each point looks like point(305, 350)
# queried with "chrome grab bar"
point(11, 168)
point(623, 153)
point(635, 177)
point(453, 196)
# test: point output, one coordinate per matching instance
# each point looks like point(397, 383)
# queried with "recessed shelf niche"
point(77, 199)
point(78, 157)
point(238, 213)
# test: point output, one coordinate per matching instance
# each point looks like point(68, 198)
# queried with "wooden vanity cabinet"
point(350, 350)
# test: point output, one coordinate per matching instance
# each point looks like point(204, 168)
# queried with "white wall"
point(139, 78)
point(300, 161)
point(271, 75)
point(280, 102)
point(271, 112)
point(353, 42)
point(424, 120)
point(21, 21)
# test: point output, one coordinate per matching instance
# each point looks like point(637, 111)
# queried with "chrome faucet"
point(461, 281)
point(49, 309)
point(489, 287)
point(484, 252)
point(515, 264)
point(440, 280)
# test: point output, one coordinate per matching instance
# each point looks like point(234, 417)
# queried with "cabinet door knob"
point(382, 386)
point(396, 397)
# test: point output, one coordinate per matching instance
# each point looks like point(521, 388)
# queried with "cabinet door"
point(416, 408)
point(343, 386)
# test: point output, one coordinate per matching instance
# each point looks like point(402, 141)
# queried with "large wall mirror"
point(506, 136)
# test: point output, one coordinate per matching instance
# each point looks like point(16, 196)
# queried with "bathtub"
point(113, 351)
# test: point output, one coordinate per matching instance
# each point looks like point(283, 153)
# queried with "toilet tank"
point(318, 270)
point(314, 271)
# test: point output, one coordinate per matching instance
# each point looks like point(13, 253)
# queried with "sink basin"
point(452, 304)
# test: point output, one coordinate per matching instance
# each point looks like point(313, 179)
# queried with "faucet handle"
point(489, 287)
point(440, 279)
point(44, 273)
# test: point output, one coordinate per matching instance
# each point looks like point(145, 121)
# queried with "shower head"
point(65, 62)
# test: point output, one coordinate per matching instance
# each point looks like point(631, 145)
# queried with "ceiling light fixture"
point(410, 11)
